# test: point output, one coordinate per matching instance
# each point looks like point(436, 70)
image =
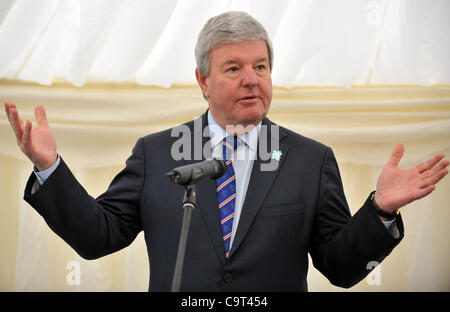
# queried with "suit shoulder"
point(167, 134)
point(303, 142)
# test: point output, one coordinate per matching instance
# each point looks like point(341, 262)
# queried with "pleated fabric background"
point(359, 78)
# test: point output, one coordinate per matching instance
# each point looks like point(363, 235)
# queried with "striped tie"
point(226, 193)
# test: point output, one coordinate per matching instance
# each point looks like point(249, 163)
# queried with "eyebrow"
point(234, 61)
point(262, 59)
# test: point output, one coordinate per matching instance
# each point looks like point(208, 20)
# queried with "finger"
point(26, 138)
point(7, 110)
point(434, 179)
point(430, 163)
point(421, 193)
point(397, 154)
point(41, 116)
point(442, 165)
point(11, 106)
point(16, 122)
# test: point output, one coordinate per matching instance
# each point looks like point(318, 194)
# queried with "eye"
point(232, 69)
point(261, 67)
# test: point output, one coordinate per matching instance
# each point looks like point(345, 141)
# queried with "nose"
point(249, 78)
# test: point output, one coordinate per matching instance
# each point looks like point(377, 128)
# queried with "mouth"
point(249, 98)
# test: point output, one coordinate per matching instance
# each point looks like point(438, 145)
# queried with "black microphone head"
point(191, 174)
point(221, 169)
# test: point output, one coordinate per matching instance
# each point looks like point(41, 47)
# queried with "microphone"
point(191, 174)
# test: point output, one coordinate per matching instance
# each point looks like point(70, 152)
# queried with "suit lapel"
point(259, 185)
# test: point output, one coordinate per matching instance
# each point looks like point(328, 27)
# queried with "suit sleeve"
point(93, 227)
point(343, 246)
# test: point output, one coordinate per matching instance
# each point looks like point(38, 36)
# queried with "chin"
point(252, 117)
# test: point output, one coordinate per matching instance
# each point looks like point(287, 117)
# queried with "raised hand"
point(396, 187)
point(38, 143)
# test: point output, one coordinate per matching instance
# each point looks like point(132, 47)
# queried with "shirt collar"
point(218, 133)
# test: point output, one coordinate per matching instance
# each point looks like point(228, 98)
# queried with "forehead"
point(244, 51)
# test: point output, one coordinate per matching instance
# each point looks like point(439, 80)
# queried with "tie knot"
point(229, 145)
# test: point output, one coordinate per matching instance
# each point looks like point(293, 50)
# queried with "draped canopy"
point(316, 43)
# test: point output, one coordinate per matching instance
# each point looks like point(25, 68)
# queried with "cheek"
point(223, 94)
point(269, 95)
point(267, 91)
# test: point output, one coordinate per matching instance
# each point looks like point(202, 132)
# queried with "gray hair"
point(229, 27)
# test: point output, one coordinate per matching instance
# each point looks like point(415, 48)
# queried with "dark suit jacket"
point(298, 208)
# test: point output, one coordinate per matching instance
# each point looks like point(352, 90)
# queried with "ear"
point(201, 79)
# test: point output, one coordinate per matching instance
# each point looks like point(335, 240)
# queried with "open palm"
point(37, 143)
point(397, 187)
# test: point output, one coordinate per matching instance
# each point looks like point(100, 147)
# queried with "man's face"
point(239, 86)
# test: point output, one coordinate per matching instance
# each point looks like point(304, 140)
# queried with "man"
point(253, 228)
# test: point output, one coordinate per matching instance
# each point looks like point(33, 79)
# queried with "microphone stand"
point(188, 176)
point(189, 204)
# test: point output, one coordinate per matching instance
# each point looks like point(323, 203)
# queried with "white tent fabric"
point(318, 43)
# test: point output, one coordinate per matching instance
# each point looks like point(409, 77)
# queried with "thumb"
point(397, 154)
point(41, 116)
